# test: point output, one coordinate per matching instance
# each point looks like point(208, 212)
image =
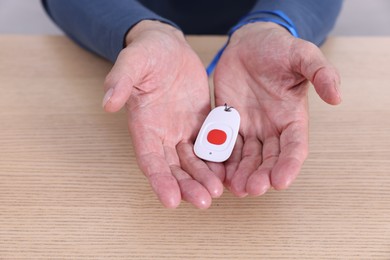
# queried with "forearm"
point(100, 25)
point(313, 18)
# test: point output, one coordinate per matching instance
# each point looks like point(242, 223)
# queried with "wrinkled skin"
point(164, 87)
point(264, 74)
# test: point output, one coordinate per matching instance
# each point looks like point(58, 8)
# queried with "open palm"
point(165, 89)
point(264, 73)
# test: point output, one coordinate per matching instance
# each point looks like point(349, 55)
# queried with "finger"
point(232, 163)
point(191, 190)
point(294, 150)
point(128, 71)
point(259, 182)
point(250, 161)
point(160, 178)
point(218, 169)
point(198, 169)
point(308, 60)
point(152, 162)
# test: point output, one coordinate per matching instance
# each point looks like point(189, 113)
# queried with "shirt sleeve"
point(313, 19)
point(99, 25)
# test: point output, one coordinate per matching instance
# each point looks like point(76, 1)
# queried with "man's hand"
point(264, 73)
point(164, 86)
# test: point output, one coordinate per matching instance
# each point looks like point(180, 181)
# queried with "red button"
point(216, 136)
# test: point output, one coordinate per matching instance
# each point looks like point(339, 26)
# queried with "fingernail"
point(107, 96)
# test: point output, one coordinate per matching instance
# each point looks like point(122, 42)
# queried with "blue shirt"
point(101, 25)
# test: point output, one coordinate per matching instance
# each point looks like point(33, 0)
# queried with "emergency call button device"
point(218, 134)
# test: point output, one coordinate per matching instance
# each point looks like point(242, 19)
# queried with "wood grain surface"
point(70, 187)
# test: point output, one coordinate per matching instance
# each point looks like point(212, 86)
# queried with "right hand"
point(164, 86)
point(264, 73)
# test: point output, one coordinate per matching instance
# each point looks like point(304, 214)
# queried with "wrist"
point(255, 28)
point(151, 26)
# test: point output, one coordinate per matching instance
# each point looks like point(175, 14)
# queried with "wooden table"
point(70, 187)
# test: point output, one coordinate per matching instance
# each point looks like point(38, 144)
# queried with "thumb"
point(308, 60)
point(128, 71)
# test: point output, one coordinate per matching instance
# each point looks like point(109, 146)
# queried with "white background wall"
point(358, 17)
point(25, 17)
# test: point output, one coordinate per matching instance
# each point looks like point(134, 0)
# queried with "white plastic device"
point(218, 134)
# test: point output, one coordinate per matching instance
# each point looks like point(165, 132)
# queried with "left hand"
point(264, 74)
